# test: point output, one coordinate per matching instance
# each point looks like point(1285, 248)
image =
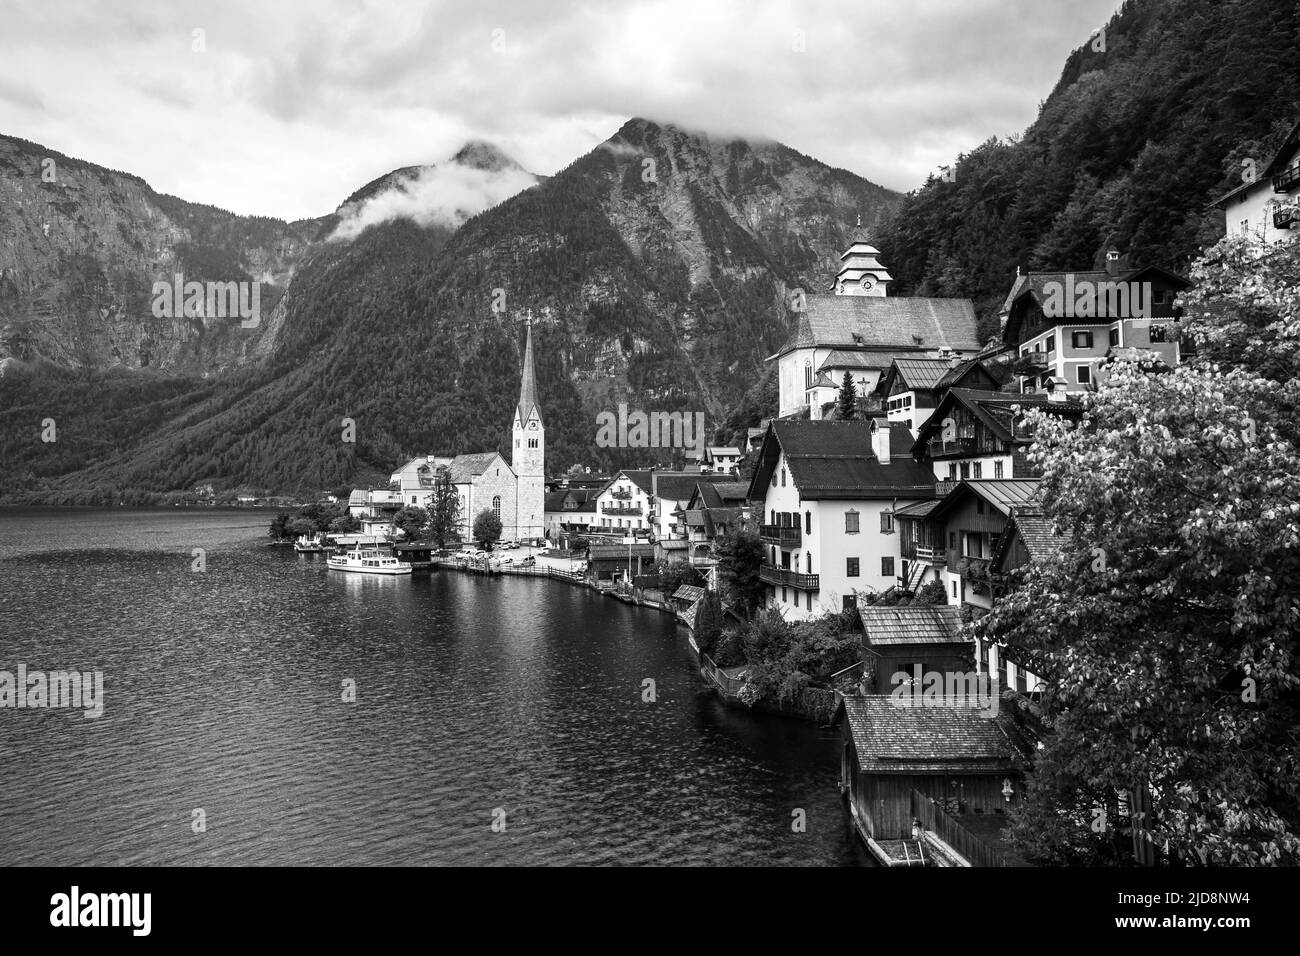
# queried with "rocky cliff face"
point(80, 249)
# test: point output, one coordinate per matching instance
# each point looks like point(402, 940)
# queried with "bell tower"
point(861, 272)
point(528, 458)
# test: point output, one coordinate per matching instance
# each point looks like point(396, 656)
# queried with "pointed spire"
point(528, 381)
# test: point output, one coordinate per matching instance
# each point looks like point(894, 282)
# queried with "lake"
point(496, 721)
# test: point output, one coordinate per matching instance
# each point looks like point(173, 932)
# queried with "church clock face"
point(867, 283)
point(532, 426)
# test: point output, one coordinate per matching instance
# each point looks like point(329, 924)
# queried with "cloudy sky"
point(284, 108)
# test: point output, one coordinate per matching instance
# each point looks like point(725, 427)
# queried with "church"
point(515, 490)
point(860, 329)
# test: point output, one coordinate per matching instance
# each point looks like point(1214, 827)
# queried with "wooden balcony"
point(788, 578)
point(780, 536)
point(1284, 217)
point(931, 555)
point(621, 510)
point(1287, 180)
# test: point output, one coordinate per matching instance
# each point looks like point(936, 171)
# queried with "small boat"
point(309, 543)
point(368, 562)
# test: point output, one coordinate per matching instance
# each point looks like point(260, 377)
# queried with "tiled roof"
point(673, 485)
point(465, 467)
point(845, 358)
point(584, 498)
point(890, 738)
point(1033, 528)
point(885, 322)
point(886, 626)
point(695, 519)
point(688, 592)
point(923, 373)
point(918, 510)
point(835, 460)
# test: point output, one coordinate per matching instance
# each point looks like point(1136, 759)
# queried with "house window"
point(954, 589)
point(952, 540)
point(952, 472)
point(887, 566)
point(808, 600)
point(852, 567)
point(807, 522)
point(1082, 340)
point(783, 476)
point(977, 470)
point(807, 375)
point(785, 597)
point(1051, 342)
point(1114, 337)
point(886, 522)
point(965, 469)
point(997, 469)
point(1085, 374)
point(851, 522)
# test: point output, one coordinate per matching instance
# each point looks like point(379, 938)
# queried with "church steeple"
point(528, 383)
point(862, 272)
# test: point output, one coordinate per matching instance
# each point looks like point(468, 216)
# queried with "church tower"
point(861, 272)
point(529, 457)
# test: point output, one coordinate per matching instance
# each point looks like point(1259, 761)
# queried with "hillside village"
point(893, 494)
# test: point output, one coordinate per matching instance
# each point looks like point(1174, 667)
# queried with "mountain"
point(656, 269)
point(1150, 121)
point(80, 249)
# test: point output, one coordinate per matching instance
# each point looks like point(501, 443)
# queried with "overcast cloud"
point(290, 106)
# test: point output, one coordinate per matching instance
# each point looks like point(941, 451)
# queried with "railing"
point(931, 554)
point(625, 495)
point(1286, 180)
point(784, 576)
point(780, 535)
point(729, 686)
point(621, 509)
point(933, 817)
point(1285, 216)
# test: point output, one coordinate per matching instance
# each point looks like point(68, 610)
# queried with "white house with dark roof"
point(860, 329)
point(1266, 206)
point(912, 387)
point(1064, 325)
point(828, 491)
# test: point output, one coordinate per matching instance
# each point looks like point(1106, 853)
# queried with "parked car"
point(528, 562)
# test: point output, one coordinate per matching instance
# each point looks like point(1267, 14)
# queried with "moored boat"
point(368, 562)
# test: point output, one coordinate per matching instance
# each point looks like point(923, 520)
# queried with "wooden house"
point(607, 563)
point(912, 387)
point(967, 762)
point(898, 640)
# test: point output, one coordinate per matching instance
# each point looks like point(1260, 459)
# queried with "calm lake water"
point(223, 691)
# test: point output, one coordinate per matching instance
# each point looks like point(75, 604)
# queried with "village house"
point(978, 434)
point(903, 640)
point(714, 509)
point(828, 491)
point(927, 780)
point(570, 511)
point(912, 387)
point(1266, 206)
point(1063, 325)
point(721, 460)
point(860, 329)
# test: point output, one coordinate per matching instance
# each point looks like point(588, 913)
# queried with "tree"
point(444, 512)
point(413, 521)
point(740, 555)
point(346, 524)
point(301, 526)
point(279, 526)
point(847, 403)
point(1166, 633)
point(673, 574)
point(708, 622)
point(487, 528)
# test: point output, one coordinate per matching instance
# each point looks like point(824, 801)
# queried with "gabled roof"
point(918, 510)
point(1034, 528)
point(1002, 494)
point(834, 460)
point(994, 410)
point(464, 467)
point(891, 626)
point(359, 498)
point(1034, 285)
point(845, 358)
point(584, 498)
point(688, 592)
point(858, 322)
point(890, 738)
point(672, 485)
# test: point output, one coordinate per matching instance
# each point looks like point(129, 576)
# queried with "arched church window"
point(496, 506)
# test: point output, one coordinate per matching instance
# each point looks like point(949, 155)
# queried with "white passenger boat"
point(368, 562)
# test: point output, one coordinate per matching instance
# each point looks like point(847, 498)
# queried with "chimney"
point(1112, 263)
point(880, 440)
point(1056, 389)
